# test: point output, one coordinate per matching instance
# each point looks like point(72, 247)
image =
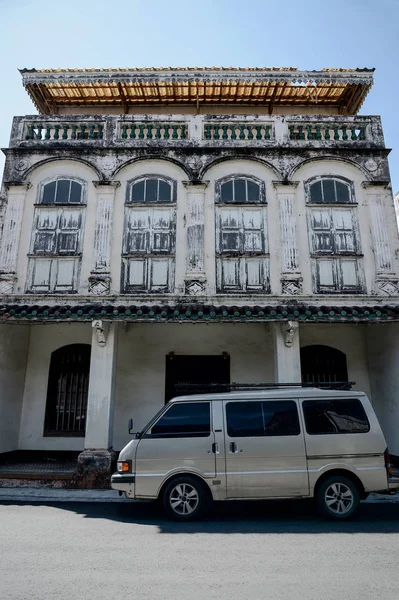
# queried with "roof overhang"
point(51, 89)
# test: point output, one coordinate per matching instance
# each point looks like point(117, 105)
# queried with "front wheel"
point(337, 497)
point(185, 498)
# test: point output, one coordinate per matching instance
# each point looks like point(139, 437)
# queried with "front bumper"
point(393, 484)
point(124, 482)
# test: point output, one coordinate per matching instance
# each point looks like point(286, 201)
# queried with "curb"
point(61, 495)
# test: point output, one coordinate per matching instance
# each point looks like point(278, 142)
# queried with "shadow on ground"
point(238, 517)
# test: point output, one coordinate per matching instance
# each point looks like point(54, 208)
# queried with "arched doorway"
point(323, 364)
point(67, 391)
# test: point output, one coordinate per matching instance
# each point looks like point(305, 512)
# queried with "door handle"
point(215, 448)
point(233, 448)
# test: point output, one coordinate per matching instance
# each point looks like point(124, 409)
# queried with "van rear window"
point(335, 416)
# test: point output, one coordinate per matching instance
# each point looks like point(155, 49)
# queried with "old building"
point(195, 226)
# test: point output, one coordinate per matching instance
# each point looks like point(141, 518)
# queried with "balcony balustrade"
point(199, 130)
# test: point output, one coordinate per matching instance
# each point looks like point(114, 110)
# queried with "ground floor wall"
point(383, 360)
point(372, 355)
point(14, 342)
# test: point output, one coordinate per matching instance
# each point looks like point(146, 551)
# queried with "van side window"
point(184, 419)
point(335, 416)
point(251, 419)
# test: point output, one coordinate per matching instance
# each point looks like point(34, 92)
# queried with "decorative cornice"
point(196, 313)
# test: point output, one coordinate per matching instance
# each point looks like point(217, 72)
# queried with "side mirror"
point(131, 426)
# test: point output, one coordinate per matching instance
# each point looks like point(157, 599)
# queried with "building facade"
point(253, 204)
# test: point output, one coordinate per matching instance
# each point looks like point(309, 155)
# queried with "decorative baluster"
point(224, 135)
point(258, 132)
point(82, 134)
point(149, 131)
point(292, 132)
point(73, 134)
point(267, 132)
point(31, 134)
point(344, 133)
point(353, 134)
point(91, 131)
point(65, 132)
point(174, 132)
point(132, 131)
point(310, 133)
point(157, 134)
point(124, 132)
point(362, 133)
point(233, 132)
point(166, 135)
point(39, 132)
point(183, 132)
point(48, 132)
point(141, 132)
point(100, 133)
point(326, 133)
point(318, 132)
point(208, 134)
point(250, 133)
point(56, 132)
point(242, 132)
point(216, 135)
point(336, 133)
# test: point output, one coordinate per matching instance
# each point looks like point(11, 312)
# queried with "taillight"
point(388, 465)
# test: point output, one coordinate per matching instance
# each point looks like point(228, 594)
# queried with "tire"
point(185, 498)
point(337, 498)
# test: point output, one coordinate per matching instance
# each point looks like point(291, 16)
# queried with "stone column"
point(291, 279)
point(195, 276)
point(100, 276)
point(287, 358)
point(95, 462)
point(11, 235)
point(386, 280)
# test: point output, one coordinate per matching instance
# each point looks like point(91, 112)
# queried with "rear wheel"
point(337, 497)
point(185, 498)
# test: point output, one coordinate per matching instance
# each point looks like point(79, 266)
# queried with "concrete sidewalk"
point(27, 494)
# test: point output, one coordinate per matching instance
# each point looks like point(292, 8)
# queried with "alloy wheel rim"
point(184, 499)
point(339, 498)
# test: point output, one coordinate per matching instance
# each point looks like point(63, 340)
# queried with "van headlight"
point(124, 466)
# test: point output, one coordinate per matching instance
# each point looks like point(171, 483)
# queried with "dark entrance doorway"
point(323, 364)
point(195, 372)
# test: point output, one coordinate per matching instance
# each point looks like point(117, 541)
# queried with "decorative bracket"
point(289, 329)
point(101, 332)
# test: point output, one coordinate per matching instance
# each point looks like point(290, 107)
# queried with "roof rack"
point(325, 385)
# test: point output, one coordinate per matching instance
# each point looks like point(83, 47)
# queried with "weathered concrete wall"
point(142, 351)
point(383, 360)
point(14, 342)
point(44, 339)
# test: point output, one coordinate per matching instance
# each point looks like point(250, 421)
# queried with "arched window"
point(148, 252)
point(240, 190)
point(67, 391)
point(323, 364)
point(57, 236)
point(333, 236)
point(242, 261)
point(150, 190)
point(330, 191)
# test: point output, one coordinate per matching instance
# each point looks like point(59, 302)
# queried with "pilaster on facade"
point(195, 276)
point(291, 278)
point(386, 279)
point(287, 358)
point(100, 276)
point(11, 235)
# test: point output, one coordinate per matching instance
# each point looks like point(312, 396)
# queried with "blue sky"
point(308, 34)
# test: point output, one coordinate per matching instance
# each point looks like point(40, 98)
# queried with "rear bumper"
point(124, 482)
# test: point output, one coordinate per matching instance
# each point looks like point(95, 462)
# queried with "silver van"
point(267, 443)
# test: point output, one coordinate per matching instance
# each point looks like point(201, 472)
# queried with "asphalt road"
point(260, 551)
